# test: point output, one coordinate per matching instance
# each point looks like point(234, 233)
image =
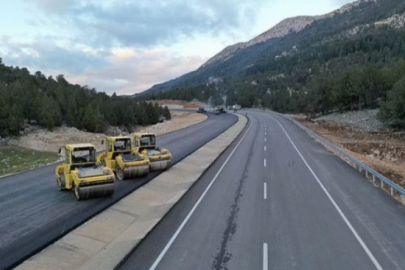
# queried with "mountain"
point(288, 26)
point(322, 41)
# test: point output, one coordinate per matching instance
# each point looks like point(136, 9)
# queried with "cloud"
point(147, 23)
point(53, 6)
point(130, 71)
point(121, 70)
point(43, 52)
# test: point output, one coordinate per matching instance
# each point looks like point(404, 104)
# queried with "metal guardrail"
point(378, 179)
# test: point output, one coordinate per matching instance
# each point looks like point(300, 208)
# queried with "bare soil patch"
point(383, 151)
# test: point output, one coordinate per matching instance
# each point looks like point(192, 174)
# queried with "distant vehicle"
point(236, 108)
point(201, 110)
point(220, 109)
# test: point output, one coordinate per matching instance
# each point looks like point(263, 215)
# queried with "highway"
point(34, 213)
point(276, 199)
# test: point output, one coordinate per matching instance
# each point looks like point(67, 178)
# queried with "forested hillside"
point(52, 102)
point(348, 60)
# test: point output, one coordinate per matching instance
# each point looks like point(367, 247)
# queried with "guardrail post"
point(366, 173)
point(373, 178)
point(392, 191)
point(382, 184)
point(403, 199)
point(359, 169)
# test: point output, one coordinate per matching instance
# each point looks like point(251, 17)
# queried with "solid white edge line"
point(265, 163)
point(356, 235)
point(265, 191)
point(166, 248)
point(265, 257)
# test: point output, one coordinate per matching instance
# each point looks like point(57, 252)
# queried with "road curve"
point(33, 213)
point(280, 202)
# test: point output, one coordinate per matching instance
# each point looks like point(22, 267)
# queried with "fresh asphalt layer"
point(33, 213)
point(276, 199)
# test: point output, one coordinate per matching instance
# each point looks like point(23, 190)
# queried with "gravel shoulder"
point(382, 150)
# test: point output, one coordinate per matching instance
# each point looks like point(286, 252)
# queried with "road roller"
point(145, 143)
point(120, 157)
point(81, 173)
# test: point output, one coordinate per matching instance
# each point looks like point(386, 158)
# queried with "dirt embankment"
point(43, 140)
point(179, 120)
point(384, 151)
point(179, 104)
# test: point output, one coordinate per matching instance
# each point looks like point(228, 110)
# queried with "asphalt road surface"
point(34, 213)
point(276, 199)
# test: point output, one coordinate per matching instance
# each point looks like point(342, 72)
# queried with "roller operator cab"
point(120, 157)
point(80, 173)
point(145, 143)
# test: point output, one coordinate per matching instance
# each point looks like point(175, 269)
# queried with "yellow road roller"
point(145, 143)
point(80, 173)
point(120, 157)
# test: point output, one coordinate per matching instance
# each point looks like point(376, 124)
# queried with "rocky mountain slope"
point(290, 37)
point(285, 27)
point(288, 26)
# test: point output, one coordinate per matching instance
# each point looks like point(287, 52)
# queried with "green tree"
point(15, 119)
point(89, 119)
point(166, 113)
point(50, 114)
point(392, 111)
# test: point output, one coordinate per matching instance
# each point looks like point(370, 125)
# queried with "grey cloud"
point(104, 71)
point(147, 23)
point(43, 53)
point(142, 71)
point(53, 6)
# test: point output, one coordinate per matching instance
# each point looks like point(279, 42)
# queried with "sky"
point(126, 46)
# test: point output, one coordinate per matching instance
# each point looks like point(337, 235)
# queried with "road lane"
point(377, 218)
point(296, 225)
point(33, 213)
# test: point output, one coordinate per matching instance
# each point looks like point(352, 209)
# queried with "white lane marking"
point(265, 163)
point(356, 235)
point(166, 248)
point(265, 191)
point(265, 257)
point(265, 139)
point(265, 148)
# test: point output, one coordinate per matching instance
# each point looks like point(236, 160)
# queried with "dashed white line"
point(356, 235)
point(168, 245)
point(265, 257)
point(265, 191)
point(265, 163)
point(265, 139)
point(265, 148)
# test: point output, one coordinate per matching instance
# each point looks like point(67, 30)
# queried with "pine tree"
point(15, 119)
point(166, 113)
point(89, 119)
